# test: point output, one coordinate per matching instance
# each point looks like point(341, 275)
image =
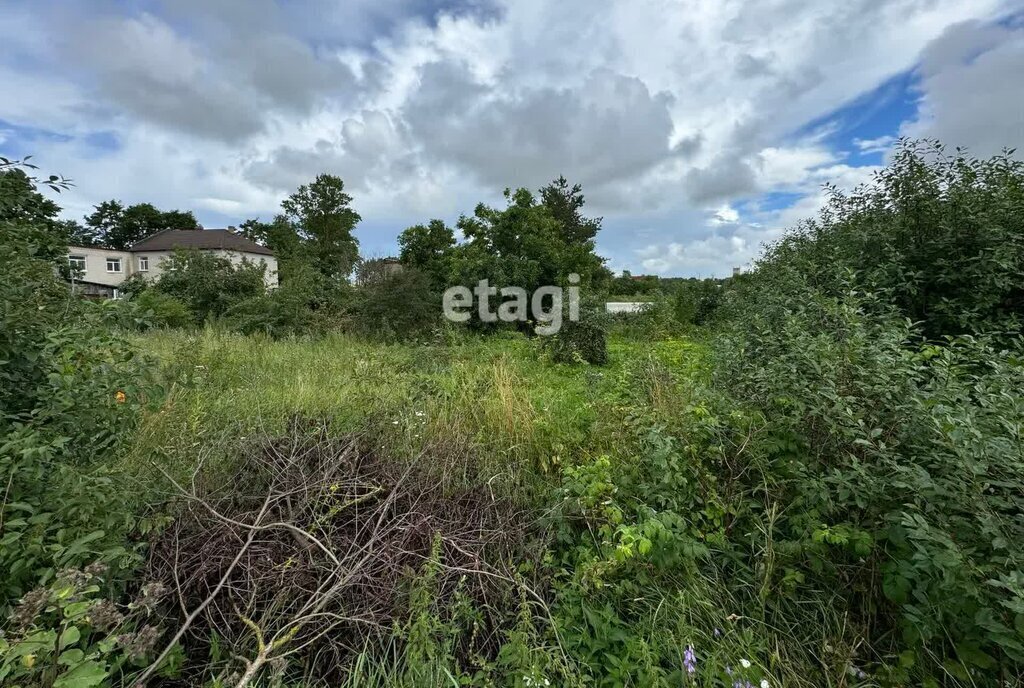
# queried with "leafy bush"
point(160, 310)
point(902, 469)
point(895, 449)
point(68, 635)
point(583, 341)
point(70, 390)
point(208, 284)
point(695, 302)
point(397, 305)
point(306, 303)
point(940, 236)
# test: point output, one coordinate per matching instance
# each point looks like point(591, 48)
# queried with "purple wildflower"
point(689, 660)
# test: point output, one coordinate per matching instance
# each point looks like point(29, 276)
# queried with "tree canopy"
point(323, 218)
point(112, 225)
point(315, 228)
point(529, 243)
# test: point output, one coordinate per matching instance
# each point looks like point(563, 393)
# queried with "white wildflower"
point(745, 663)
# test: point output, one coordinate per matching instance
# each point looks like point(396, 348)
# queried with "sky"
point(699, 129)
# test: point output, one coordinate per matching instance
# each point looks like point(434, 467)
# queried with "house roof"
point(208, 239)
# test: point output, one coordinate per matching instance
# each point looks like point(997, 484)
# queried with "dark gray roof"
point(209, 239)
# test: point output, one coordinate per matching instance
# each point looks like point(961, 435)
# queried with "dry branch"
point(309, 548)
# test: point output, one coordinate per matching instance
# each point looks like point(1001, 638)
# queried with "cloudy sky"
point(699, 128)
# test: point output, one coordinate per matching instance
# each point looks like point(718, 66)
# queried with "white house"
point(100, 271)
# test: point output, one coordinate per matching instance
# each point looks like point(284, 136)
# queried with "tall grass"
point(523, 420)
point(496, 398)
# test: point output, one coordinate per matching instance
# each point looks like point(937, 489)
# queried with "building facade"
point(98, 272)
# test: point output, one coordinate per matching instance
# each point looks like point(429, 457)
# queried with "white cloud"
point(671, 113)
point(725, 215)
point(971, 90)
point(880, 144)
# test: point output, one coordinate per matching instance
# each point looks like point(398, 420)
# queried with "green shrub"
point(208, 284)
point(70, 634)
point(70, 392)
point(901, 469)
point(583, 341)
point(695, 302)
point(940, 236)
point(656, 320)
point(160, 310)
point(396, 306)
point(891, 445)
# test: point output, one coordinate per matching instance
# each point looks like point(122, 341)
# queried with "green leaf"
point(42, 641)
point(70, 636)
point(71, 657)
point(975, 656)
point(77, 609)
point(84, 675)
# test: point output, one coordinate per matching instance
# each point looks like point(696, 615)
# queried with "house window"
point(113, 265)
point(77, 263)
point(143, 263)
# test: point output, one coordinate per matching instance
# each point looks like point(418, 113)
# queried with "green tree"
point(29, 218)
point(282, 237)
point(324, 220)
point(565, 202)
point(115, 226)
point(428, 248)
point(79, 234)
point(526, 244)
point(530, 242)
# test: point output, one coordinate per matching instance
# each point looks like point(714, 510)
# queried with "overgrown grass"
point(495, 397)
point(529, 423)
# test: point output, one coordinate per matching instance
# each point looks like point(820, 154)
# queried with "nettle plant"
point(71, 391)
point(69, 635)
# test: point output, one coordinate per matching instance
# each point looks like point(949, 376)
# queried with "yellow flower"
point(120, 397)
point(29, 661)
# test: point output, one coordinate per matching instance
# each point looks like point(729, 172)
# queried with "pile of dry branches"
point(307, 551)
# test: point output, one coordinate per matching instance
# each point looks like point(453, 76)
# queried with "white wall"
point(96, 264)
point(626, 306)
point(236, 257)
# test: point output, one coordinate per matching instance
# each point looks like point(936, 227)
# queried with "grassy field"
point(496, 396)
point(524, 419)
point(538, 432)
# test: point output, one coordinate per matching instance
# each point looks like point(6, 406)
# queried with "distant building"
point(98, 272)
point(626, 306)
point(391, 265)
point(374, 270)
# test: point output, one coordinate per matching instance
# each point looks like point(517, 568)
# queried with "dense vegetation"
point(808, 475)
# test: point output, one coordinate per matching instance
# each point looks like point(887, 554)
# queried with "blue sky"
point(698, 129)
